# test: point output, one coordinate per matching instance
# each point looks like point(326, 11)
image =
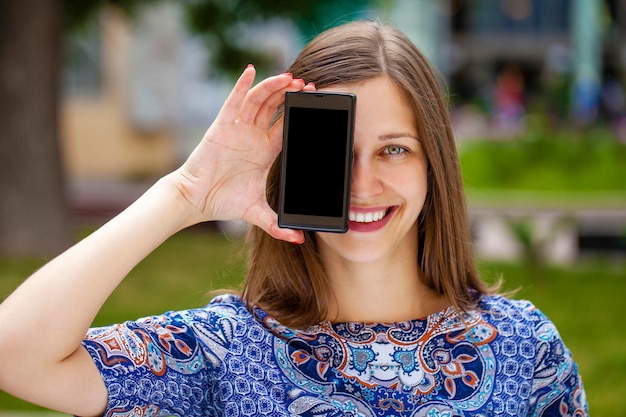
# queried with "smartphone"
point(316, 161)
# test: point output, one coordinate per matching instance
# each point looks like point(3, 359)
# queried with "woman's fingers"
point(267, 110)
point(257, 98)
point(256, 105)
point(232, 105)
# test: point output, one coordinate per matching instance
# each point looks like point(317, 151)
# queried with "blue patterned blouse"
point(505, 359)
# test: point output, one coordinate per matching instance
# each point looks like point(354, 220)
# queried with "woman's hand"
point(225, 176)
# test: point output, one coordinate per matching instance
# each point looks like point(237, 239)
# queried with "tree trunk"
point(34, 216)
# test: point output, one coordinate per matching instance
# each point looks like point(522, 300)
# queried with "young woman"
point(390, 318)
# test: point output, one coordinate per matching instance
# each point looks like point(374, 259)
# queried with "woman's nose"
point(366, 183)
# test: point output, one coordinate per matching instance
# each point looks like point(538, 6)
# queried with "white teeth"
point(369, 217)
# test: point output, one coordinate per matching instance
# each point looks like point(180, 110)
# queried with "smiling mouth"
point(368, 217)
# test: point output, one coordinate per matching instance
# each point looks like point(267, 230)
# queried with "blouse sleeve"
point(558, 387)
point(153, 366)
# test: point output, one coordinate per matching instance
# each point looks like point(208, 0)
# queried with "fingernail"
point(289, 74)
point(299, 79)
point(311, 84)
point(250, 66)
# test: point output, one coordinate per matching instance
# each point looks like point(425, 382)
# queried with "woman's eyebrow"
point(397, 135)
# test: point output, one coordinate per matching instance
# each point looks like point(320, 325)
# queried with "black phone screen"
point(315, 165)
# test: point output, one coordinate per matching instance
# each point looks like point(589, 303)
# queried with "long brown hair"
point(288, 281)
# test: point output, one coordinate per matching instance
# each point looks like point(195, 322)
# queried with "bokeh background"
point(99, 98)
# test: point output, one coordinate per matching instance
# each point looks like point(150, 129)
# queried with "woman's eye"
point(394, 150)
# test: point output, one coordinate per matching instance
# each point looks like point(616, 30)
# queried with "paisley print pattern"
point(504, 359)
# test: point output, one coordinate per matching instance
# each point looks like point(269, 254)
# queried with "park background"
point(100, 98)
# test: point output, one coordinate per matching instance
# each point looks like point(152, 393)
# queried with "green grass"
point(547, 160)
point(584, 301)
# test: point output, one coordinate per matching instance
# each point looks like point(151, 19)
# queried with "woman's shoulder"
point(499, 308)
point(223, 310)
point(210, 331)
point(528, 345)
point(216, 320)
point(511, 315)
point(519, 309)
point(225, 305)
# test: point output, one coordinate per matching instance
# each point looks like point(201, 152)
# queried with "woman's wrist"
point(173, 210)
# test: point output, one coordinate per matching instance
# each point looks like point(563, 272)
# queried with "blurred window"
point(489, 17)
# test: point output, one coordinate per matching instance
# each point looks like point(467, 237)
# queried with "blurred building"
point(111, 129)
point(564, 56)
point(486, 35)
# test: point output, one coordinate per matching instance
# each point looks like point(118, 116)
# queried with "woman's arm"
point(44, 321)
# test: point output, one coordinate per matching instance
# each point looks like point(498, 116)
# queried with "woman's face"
point(388, 177)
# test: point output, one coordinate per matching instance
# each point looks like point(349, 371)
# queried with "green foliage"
point(547, 159)
point(219, 23)
point(78, 13)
